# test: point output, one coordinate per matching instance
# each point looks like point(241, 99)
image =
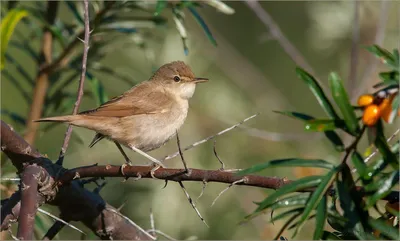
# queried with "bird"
point(146, 116)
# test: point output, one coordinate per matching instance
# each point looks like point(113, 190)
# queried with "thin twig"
point(354, 48)
point(210, 137)
point(180, 152)
point(192, 203)
point(202, 190)
point(152, 223)
point(277, 34)
point(379, 37)
point(81, 82)
point(60, 220)
point(216, 155)
point(162, 233)
point(368, 158)
point(226, 189)
point(131, 222)
point(13, 179)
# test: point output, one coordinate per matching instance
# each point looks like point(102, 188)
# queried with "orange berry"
point(386, 109)
point(365, 100)
point(371, 115)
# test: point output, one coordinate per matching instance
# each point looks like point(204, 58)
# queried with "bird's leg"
point(155, 168)
point(156, 162)
point(128, 161)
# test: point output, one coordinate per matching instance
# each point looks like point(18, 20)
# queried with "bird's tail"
point(66, 118)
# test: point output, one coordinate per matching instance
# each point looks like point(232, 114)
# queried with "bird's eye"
point(177, 79)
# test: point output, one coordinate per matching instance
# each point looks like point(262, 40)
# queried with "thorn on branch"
point(226, 189)
point(60, 220)
point(192, 203)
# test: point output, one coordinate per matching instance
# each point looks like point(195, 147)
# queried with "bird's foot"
point(155, 168)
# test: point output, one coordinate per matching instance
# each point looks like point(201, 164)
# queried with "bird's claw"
point(155, 168)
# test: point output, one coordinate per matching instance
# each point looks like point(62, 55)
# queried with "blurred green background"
point(249, 72)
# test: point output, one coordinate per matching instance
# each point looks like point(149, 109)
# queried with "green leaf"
point(324, 125)
point(290, 162)
point(384, 189)
point(316, 197)
point(342, 100)
point(296, 200)
point(386, 57)
point(295, 115)
point(396, 56)
point(178, 19)
point(303, 183)
point(384, 228)
point(8, 24)
point(320, 219)
point(97, 89)
point(161, 4)
point(359, 164)
point(203, 24)
point(220, 6)
point(390, 76)
point(287, 213)
point(383, 147)
point(318, 92)
point(74, 10)
point(329, 236)
point(352, 204)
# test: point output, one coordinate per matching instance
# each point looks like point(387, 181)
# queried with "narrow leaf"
point(14, 116)
point(384, 228)
point(383, 54)
point(384, 189)
point(316, 197)
point(342, 100)
point(358, 163)
point(161, 4)
point(383, 147)
point(74, 10)
point(97, 89)
point(318, 92)
point(8, 24)
point(320, 218)
point(329, 236)
point(203, 24)
point(220, 6)
point(290, 162)
point(296, 200)
point(178, 19)
point(324, 125)
point(287, 213)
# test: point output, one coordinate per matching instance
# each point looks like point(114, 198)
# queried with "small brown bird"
point(144, 117)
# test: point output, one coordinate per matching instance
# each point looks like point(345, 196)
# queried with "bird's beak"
point(199, 80)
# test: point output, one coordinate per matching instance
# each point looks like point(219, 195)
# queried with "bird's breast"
point(153, 130)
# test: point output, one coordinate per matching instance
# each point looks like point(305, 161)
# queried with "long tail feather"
point(67, 118)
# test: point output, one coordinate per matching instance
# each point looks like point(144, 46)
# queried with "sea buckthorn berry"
point(371, 115)
point(365, 100)
point(386, 109)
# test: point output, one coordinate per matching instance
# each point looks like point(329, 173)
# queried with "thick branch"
point(75, 202)
point(29, 201)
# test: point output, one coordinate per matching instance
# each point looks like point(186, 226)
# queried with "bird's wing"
point(137, 101)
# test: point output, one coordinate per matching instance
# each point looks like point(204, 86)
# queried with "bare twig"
point(13, 179)
point(60, 220)
point(216, 155)
point(277, 34)
point(162, 233)
point(192, 203)
point(29, 205)
point(202, 190)
point(354, 48)
point(210, 137)
point(379, 37)
point(226, 189)
point(133, 223)
point(152, 224)
point(178, 142)
point(81, 82)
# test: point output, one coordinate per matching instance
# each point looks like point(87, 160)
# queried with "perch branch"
point(81, 82)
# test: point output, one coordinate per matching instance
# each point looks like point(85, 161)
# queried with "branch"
point(81, 83)
point(29, 201)
point(178, 175)
point(42, 79)
point(75, 202)
point(277, 34)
